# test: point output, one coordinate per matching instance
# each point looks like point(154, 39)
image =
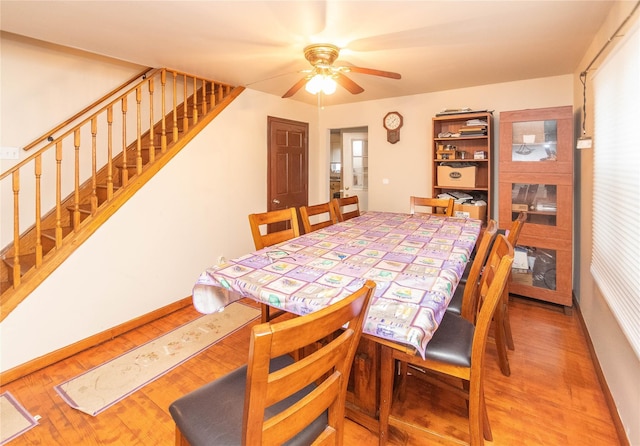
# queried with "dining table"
point(416, 261)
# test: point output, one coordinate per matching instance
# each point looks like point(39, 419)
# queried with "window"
point(360, 157)
point(615, 262)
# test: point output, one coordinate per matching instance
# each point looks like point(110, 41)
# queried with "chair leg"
point(500, 338)
point(501, 343)
point(486, 427)
point(477, 427)
point(180, 440)
point(387, 369)
point(402, 381)
point(507, 326)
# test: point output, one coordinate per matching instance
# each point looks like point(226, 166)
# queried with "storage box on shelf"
point(470, 211)
point(461, 154)
point(457, 176)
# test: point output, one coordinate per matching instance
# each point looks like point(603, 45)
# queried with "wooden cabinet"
point(536, 175)
point(462, 155)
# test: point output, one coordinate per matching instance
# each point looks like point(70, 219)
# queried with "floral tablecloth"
point(416, 262)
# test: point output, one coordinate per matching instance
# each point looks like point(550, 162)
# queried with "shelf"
point(460, 138)
point(478, 188)
point(459, 171)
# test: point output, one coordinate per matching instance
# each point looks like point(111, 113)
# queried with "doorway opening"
point(349, 164)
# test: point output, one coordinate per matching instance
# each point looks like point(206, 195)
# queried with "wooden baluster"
point(152, 149)
point(94, 178)
point(204, 97)
point(194, 121)
point(163, 136)
point(212, 98)
point(110, 153)
point(38, 173)
point(58, 194)
point(185, 107)
point(124, 172)
point(139, 130)
point(175, 106)
point(220, 93)
point(76, 194)
point(16, 227)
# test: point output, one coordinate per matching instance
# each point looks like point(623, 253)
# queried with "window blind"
point(615, 262)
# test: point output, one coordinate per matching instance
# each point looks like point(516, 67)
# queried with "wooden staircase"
point(185, 105)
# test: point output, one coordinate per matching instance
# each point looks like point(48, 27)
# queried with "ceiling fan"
point(321, 56)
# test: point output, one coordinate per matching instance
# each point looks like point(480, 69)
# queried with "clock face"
point(392, 121)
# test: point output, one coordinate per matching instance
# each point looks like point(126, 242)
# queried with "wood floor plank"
point(551, 398)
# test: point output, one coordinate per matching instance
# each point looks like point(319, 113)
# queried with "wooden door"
point(287, 169)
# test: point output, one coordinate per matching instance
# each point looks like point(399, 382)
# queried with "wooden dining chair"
point(457, 350)
point(465, 292)
point(346, 208)
point(315, 212)
point(502, 331)
point(436, 205)
point(269, 228)
point(502, 334)
point(273, 400)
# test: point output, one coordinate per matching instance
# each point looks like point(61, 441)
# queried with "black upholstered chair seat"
point(212, 414)
point(452, 341)
point(455, 305)
point(465, 273)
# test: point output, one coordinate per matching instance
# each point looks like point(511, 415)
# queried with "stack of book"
point(474, 127)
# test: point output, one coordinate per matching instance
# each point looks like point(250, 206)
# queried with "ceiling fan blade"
point(373, 72)
point(348, 84)
point(297, 86)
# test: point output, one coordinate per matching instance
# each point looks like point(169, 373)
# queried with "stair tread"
point(51, 232)
point(26, 261)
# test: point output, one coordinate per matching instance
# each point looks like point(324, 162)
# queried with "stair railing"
point(84, 167)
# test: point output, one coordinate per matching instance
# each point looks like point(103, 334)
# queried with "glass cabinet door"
point(547, 204)
point(537, 141)
point(534, 141)
point(540, 201)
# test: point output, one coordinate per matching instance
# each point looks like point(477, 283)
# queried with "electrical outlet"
point(9, 153)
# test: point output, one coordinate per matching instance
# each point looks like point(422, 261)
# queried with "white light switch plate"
point(9, 153)
point(584, 142)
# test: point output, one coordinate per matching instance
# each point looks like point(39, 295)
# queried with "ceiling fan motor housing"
point(321, 54)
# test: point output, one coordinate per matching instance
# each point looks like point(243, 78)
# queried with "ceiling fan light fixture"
point(321, 82)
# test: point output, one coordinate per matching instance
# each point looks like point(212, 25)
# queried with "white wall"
point(406, 164)
point(619, 363)
point(150, 253)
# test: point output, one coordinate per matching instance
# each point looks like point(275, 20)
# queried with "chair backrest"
point(516, 227)
point(469, 299)
point(288, 227)
point(438, 205)
point(328, 367)
point(492, 283)
point(306, 212)
point(346, 207)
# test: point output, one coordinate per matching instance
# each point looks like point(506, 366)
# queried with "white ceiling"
point(435, 45)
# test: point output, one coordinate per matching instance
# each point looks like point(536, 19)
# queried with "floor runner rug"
point(104, 385)
point(14, 419)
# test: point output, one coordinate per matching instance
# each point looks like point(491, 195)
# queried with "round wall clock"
point(392, 122)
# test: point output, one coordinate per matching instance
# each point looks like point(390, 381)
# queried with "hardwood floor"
point(551, 398)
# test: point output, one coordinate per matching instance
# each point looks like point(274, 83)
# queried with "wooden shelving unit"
point(456, 150)
point(536, 174)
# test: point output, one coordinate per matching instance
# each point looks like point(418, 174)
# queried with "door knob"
point(275, 201)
